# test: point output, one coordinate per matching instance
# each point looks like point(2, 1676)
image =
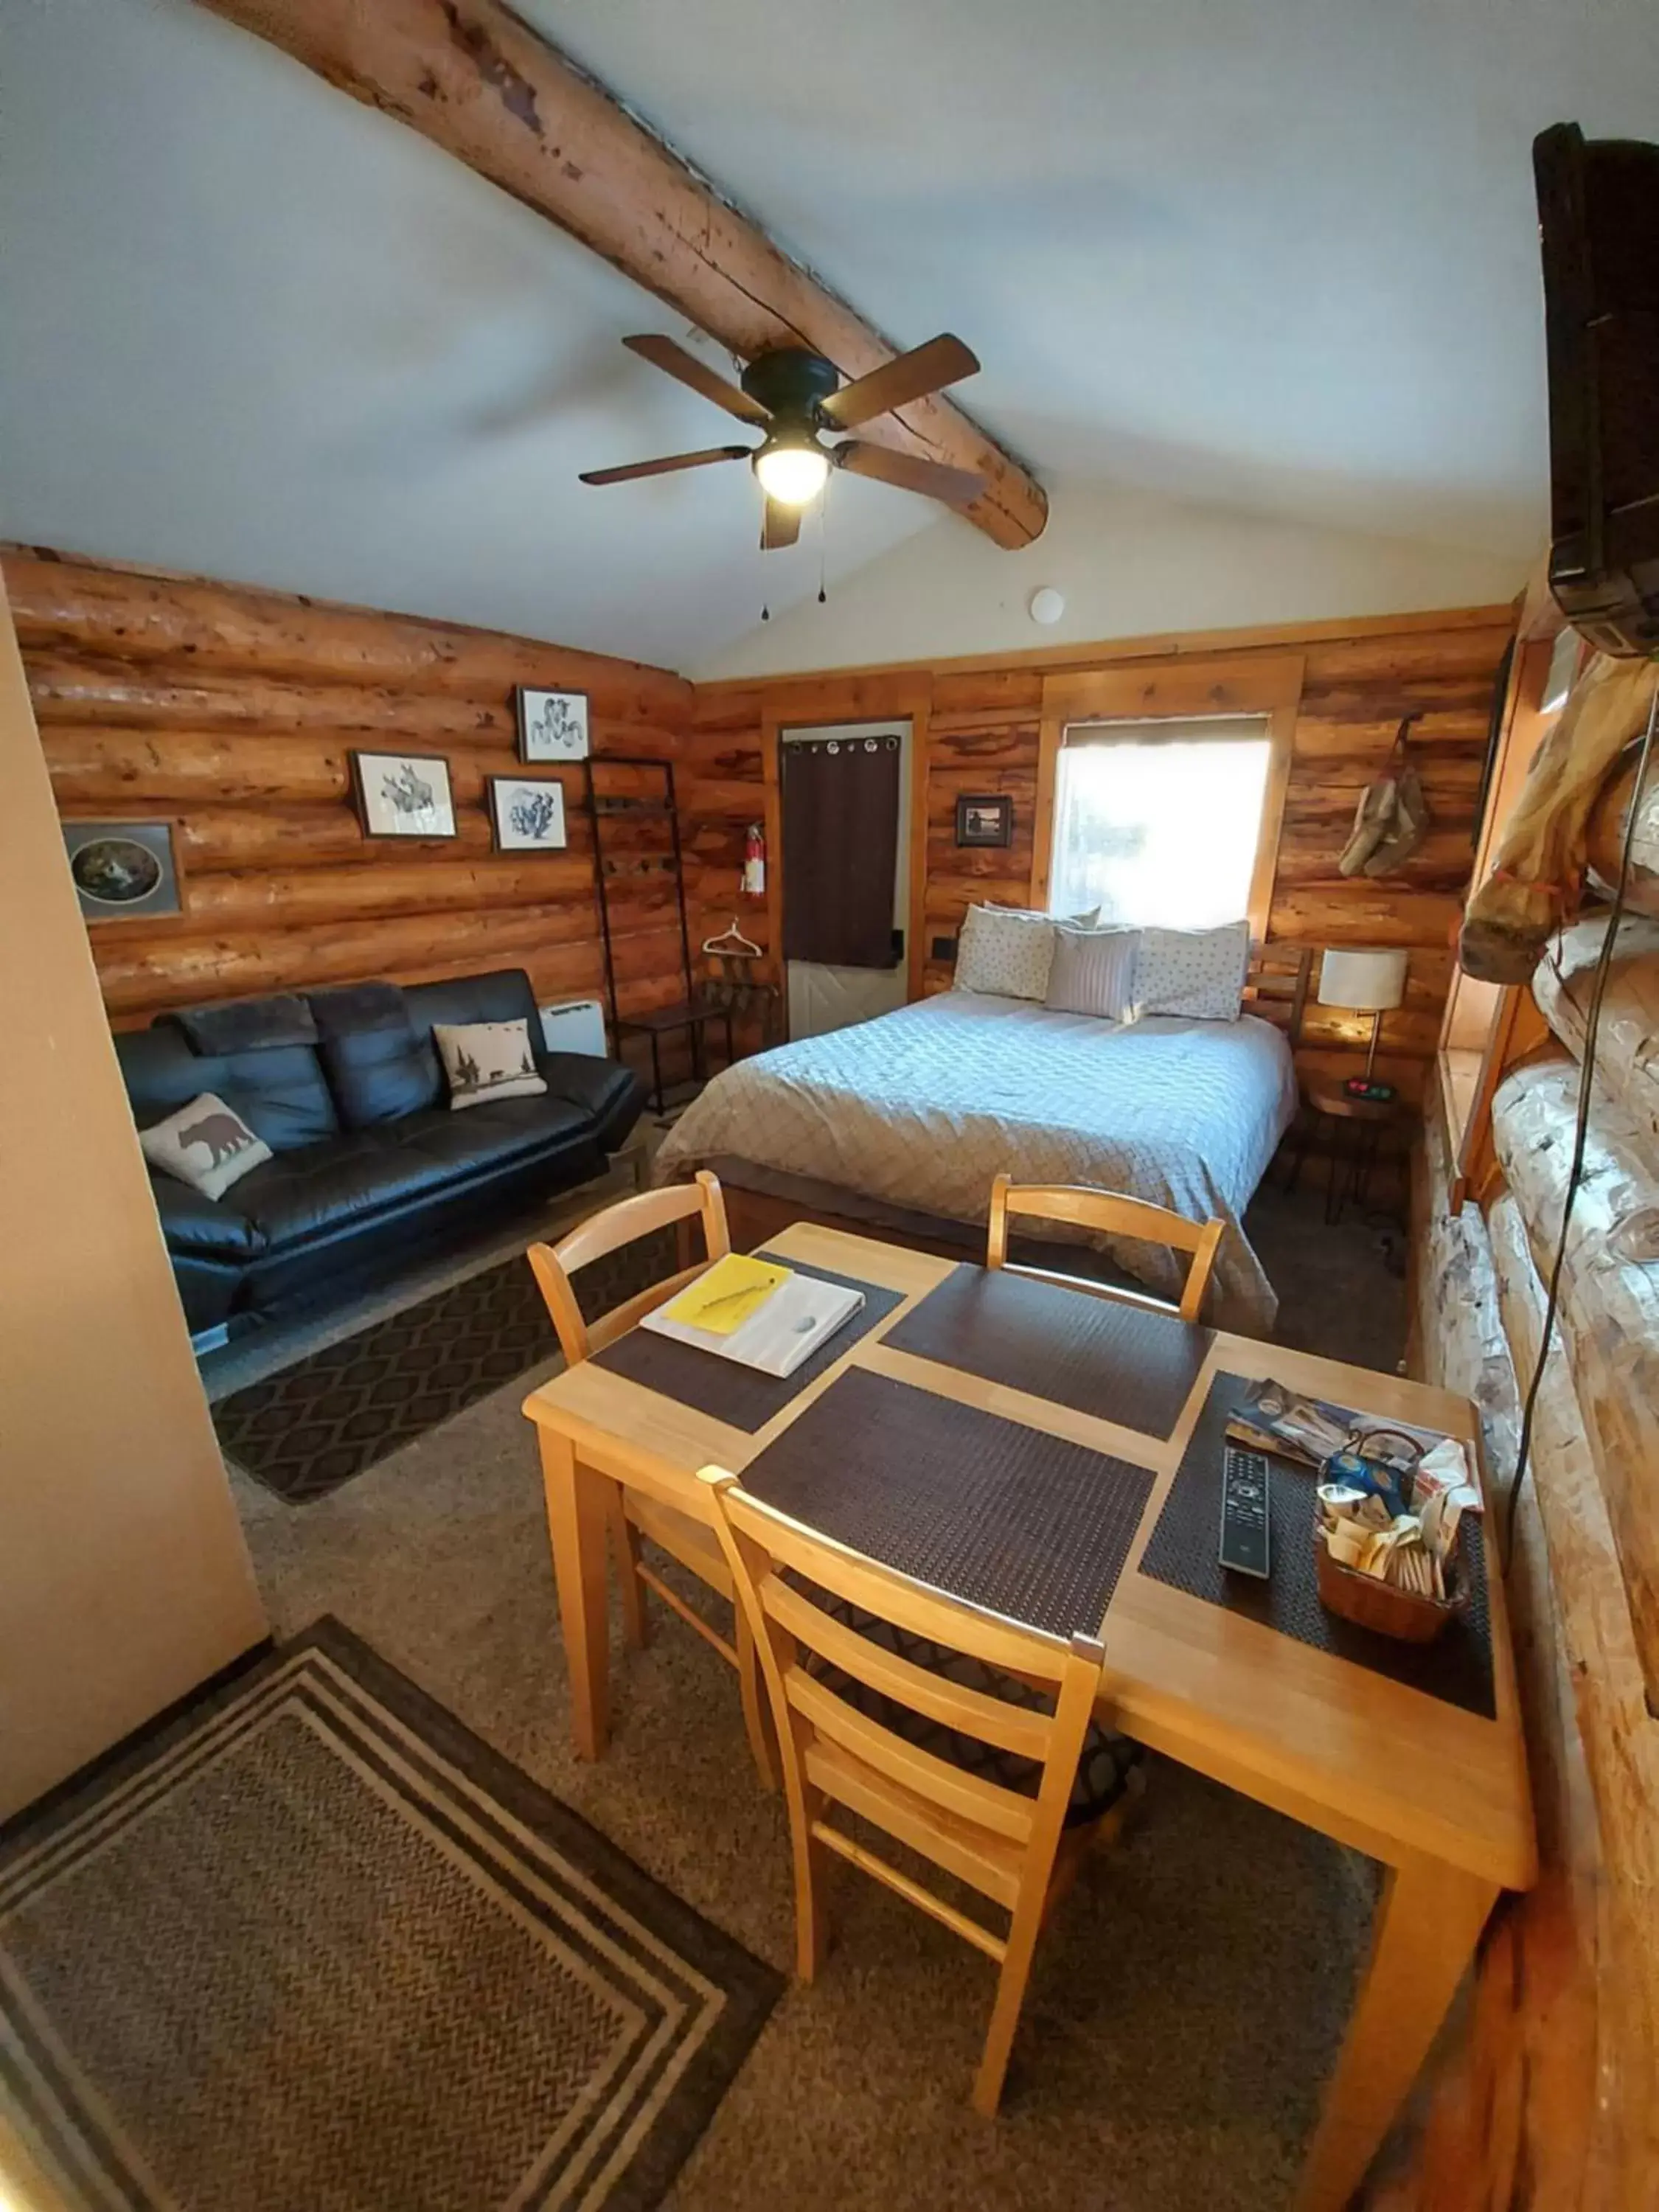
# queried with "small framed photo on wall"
point(402, 794)
point(527, 814)
point(552, 726)
point(123, 871)
point(985, 821)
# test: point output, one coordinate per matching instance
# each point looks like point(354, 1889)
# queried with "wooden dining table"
point(1426, 1776)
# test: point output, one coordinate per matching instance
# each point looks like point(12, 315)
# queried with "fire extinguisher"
point(754, 862)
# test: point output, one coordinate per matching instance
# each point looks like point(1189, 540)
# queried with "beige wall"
point(124, 1579)
point(1129, 564)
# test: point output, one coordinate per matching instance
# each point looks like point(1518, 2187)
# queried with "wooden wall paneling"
point(107, 612)
point(232, 713)
point(988, 731)
point(1621, 1745)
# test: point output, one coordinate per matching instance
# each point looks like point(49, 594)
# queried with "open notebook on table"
point(757, 1313)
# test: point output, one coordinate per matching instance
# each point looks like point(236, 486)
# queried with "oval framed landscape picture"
point(123, 871)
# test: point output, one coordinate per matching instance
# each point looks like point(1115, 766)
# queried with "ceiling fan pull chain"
point(823, 533)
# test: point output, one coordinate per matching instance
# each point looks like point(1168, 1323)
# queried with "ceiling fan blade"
point(666, 465)
point(780, 525)
point(956, 486)
point(913, 376)
point(674, 361)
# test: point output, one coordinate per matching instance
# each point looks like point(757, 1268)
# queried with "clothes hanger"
point(731, 941)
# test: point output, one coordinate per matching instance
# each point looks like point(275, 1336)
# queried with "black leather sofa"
point(372, 1167)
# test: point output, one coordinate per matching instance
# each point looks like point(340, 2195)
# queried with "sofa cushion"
point(497, 1133)
point(246, 1024)
point(502, 995)
point(368, 1171)
point(280, 1090)
point(205, 1227)
point(610, 1095)
point(378, 1069)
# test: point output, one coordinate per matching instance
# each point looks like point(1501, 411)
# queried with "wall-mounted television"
point(1598, 209)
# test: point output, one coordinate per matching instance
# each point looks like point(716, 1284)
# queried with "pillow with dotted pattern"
point(1004, 953)
point(1196, 973)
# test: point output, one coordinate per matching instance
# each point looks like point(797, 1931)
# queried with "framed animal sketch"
point(552, 726)
point(402, 794)
point(985, 821)
point(123, 871)
point(527, 814)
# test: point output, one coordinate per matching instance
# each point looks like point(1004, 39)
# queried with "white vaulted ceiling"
point(1278, 257)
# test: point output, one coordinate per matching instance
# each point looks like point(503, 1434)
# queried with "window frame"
point(1261, 686)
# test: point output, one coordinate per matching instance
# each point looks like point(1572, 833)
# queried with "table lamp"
point(1365, 983)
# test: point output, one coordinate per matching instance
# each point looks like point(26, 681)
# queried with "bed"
point(902, 1122)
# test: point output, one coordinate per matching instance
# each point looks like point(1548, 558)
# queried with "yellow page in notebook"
point(723, 1299)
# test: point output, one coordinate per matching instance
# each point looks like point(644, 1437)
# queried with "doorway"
point(846, 815)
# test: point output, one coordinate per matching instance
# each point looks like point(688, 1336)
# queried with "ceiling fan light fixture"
point(792, 471)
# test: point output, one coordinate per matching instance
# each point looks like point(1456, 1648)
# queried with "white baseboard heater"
point(577, 1025)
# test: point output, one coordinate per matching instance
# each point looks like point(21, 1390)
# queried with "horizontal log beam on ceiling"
point(468, 76)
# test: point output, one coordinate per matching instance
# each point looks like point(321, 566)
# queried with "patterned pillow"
point(1004, 953)
point(1197, 973)
point(1093, 971)
point(205, 1145)
point(487, 1059)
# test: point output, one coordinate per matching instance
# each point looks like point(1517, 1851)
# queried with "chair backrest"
point(607, 1230)
point(1117, 1216)
point(1276, 986)
point(998, 1838)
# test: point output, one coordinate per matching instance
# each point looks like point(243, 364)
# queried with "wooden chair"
point(1118, 1216)
point(863, 1720)
point(633, 1513)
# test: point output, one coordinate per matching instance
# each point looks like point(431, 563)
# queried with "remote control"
point(1244, 1512)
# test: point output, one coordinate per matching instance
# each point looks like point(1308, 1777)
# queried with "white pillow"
point(1195, 973)
point(487, 1059)
point(205, 1145)
point(1088, 919)
point(1004, 953)
point(1093, 972)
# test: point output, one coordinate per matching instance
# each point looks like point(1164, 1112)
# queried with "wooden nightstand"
point(1330, 1110)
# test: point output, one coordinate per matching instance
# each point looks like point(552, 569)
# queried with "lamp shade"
point(1364, 982)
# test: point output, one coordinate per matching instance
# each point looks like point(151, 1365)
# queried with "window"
point(1159, 822)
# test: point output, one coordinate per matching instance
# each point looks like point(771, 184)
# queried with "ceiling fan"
point(795, 396)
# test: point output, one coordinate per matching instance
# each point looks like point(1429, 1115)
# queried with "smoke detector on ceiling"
point(1047, 606)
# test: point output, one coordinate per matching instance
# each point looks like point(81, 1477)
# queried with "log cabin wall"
point(978, 721)
point(232, 713)
point(1548, 2096)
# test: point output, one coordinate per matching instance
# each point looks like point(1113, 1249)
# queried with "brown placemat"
point(1095, 1355)
point(1025, 1524)
point(1183, 1547)
point(726, 1391)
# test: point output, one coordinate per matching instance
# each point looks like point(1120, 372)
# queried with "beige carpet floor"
point(1188, 2003)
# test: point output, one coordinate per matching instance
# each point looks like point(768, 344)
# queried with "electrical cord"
point(1581, 1131)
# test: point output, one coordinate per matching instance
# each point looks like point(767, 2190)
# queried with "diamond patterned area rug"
point(307, 1429)
point(316, 1948)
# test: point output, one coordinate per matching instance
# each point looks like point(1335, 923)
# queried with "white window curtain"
point(1158, 823)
